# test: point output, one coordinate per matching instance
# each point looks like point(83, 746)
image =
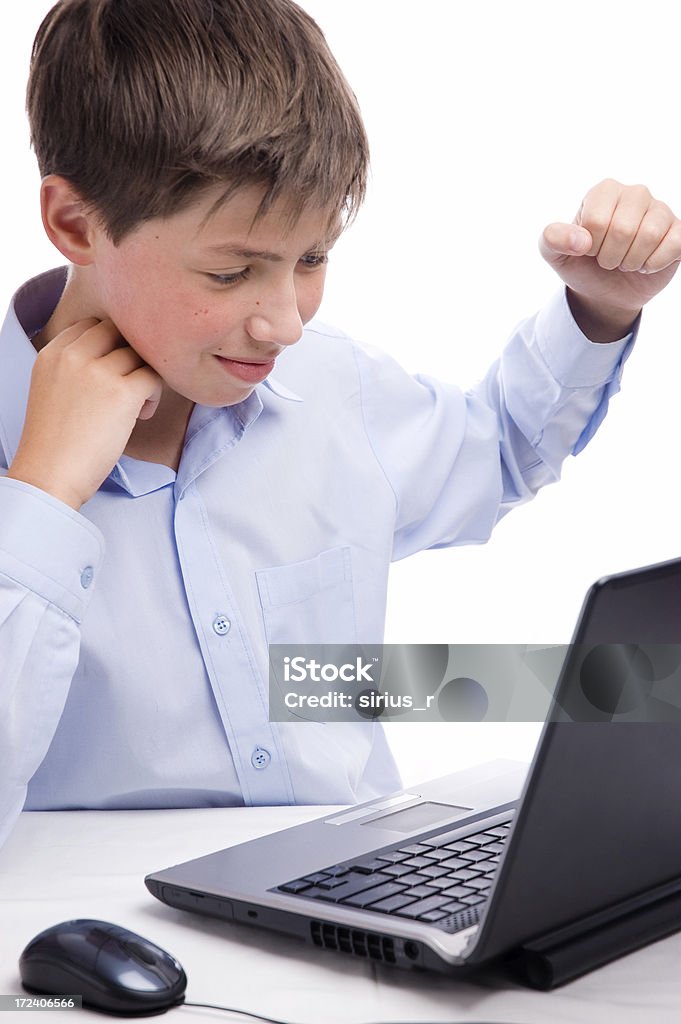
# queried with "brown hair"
point(144, 104)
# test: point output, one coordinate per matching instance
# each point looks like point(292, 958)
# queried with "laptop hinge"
point(581, 946)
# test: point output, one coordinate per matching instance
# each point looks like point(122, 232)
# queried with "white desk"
point(57, 866)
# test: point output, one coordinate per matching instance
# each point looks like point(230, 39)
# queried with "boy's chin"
point(229, 396)
point(213, 397)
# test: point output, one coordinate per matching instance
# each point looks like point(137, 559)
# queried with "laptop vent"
point(368, 945)
point(457, 922)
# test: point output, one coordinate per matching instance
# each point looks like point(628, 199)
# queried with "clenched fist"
point(622, 248)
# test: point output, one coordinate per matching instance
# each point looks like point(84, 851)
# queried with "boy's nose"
point(276, 320)
point(277, 331)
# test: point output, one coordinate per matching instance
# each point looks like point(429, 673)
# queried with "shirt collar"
point(278, 389)
point(29, 311)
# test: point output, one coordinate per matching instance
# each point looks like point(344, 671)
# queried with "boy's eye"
point(315, 259)
point(311, 261)
point(226, 279)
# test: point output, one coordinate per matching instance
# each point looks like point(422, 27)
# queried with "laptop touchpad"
point(419, 816)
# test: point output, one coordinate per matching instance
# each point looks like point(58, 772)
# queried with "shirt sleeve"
point(458, 461)
point(49, 557)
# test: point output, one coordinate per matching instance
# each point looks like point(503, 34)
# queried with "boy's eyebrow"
point(227, 249)
point(247, 254)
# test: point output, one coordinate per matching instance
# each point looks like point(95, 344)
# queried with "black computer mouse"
point(113, 969)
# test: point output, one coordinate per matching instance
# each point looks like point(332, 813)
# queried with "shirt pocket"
point(309, 602)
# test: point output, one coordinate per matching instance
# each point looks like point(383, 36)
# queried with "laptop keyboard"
point(433, 880)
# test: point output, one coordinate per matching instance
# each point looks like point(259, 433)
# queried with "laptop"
point(548, 872)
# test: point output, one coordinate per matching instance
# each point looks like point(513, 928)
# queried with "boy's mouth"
point(252, 373)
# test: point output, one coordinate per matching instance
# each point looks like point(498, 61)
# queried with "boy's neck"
point(159, 439)
point(74, 304)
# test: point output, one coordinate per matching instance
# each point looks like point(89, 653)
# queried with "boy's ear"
point(67, 221)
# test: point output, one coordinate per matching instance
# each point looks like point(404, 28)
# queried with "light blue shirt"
point(133, 634)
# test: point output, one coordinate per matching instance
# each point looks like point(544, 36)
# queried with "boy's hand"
point(622, 248)
point(88, 389)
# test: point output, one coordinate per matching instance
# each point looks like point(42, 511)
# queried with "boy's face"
point(210, 304)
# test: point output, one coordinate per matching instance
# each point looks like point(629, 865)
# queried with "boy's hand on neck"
point(623, 247)
point(88, 390)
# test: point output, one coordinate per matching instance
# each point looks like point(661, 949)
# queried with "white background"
point(487, 121)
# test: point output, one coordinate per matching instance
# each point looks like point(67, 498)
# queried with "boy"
point(171, 502)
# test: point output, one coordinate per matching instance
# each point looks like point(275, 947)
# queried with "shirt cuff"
point(48, 547)
point(574, 360)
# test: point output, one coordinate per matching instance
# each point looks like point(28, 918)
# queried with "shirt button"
point(87, 576)
point(260, 757)
point(221, 625)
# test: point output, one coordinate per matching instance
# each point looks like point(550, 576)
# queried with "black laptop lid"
point(600, 820)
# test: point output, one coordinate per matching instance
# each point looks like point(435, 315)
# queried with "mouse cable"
point(276, 1020)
